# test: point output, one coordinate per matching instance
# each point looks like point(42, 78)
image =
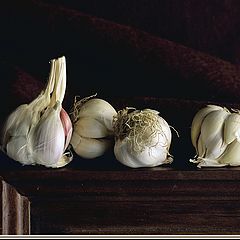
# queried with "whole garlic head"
point(92, 127)
point(39, 132)
point(142, 138)
point(215, 134)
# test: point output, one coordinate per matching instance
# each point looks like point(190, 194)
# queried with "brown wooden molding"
point(15, 211)
point(158, 201)
point(92, 197)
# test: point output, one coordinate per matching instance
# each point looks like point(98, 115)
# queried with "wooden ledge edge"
point(15, 211)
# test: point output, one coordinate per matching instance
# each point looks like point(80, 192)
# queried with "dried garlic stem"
point(77, 105)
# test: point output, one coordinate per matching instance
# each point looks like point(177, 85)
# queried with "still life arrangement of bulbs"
point(43, 133)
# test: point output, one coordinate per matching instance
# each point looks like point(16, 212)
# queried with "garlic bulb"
point(215, 134)
point(92, 127)
point(39, 132)
point(142, 138)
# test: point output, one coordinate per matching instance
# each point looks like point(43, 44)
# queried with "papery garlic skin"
point(215, 134)
point(67, 127)
point(39, 132)
point(145, 144)
point(48, 138)
point(92, 127)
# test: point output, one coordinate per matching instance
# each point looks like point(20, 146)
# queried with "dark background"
point(208, 26)
point(119, 48)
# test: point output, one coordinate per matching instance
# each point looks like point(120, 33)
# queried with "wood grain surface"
point(85, 199)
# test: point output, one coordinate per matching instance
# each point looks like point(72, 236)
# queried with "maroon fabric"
point(109, 58)
point(174, 56)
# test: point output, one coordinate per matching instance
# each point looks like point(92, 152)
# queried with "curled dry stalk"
point(77, 105)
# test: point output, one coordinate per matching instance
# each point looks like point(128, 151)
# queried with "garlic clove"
point(16, 140)
point(48, 137)
point(232, 154)
point(92, 124)
point(100, 110)
point(211, 134)
point(89, 147)
point(10, 129)
point(67, 126)
point(216, 147)
point(90, 128)
point(197, 122)
point(201, 149)
point(231, 128)
point(212, 125)
point(17, 148)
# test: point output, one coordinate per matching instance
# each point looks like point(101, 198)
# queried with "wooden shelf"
point(92, 197)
